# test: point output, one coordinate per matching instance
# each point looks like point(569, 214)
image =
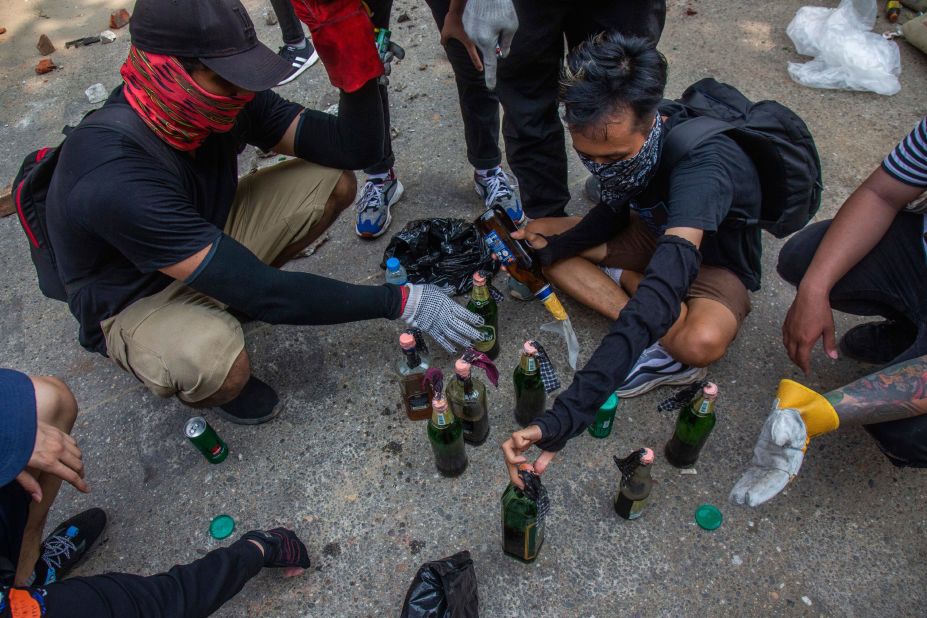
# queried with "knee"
point(698, 347)
point(796, 254)
point(344, 192)
point(55, 403)
point(231, 384)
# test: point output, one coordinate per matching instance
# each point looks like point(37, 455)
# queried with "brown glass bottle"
point(416, 397)
point(518, 258)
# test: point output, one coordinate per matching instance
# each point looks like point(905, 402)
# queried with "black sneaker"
point(878, 343)
point(299, 59)
point(67, 545)
point(256, 403)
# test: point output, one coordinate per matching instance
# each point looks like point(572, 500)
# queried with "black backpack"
point(31, 184)
point(773, 136)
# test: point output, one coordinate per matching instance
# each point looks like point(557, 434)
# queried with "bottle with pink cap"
point(693, 425)
point(446, 437)
point(416, 395)
point(466, 395)
point(482, 304)
point(635, 486)
point(530, 396)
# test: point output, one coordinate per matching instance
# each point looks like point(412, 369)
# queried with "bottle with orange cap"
point(466, 395)
point(416, 396)
point(636, 483)
point(446, 436)
point(693, 425)
point(482, 304)
point(523, 514)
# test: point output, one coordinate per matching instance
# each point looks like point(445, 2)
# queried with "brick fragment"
point(45, 65)
point(119, 19)
point(45, 46)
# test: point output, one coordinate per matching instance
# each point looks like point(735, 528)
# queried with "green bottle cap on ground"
point(221, 527)
point(708, 516)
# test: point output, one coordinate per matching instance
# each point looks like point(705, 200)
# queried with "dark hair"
point(190, 64)
point(611, 72)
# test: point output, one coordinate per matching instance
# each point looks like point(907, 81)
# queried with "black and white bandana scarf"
point(621, 180)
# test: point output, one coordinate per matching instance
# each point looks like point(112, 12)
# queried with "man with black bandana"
point(655, 255)
point(156, 238)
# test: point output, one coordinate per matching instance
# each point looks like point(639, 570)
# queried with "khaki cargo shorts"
point(180, 342)
point(633, 247)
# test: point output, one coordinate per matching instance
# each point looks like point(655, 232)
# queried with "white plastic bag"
point(847, 54)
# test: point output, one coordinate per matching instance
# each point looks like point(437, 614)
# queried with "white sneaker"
point(654, 368)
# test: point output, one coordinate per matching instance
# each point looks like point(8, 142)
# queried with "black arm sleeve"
point(191, 590)
point(646, 318)
point(233, 275)
point(352, 140)
point(599, 225)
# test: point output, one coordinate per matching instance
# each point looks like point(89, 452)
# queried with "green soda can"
point(206, 440)
point(604, 418)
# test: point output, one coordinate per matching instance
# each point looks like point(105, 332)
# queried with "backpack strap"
point(686, 136)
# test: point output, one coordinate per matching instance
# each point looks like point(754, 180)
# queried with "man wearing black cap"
point(156, 239)
point(36, 455)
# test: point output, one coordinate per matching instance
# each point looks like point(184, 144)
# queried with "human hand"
point(809, 318)
point(777, 457)
point(281, 549)
point(535, 241)
point(454, 29)
point(55, 453)
point(491, 24)
point(429, 309)
point(515, 446)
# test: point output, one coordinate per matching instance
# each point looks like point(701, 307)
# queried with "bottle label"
point(497, 246)
point(419, 401)
point(532, 364)
point(442, 421)
point(487, 338)
point(637, 507)
point(704, 408)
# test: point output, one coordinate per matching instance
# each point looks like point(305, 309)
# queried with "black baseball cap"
point(217, 32)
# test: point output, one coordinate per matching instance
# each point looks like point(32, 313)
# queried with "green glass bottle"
point(523, 515)
point(446, 436)
point(530, 398)
point(694, 424)
point(482, 304)
point(604, 418)
point(466, 395)
point(635, 486)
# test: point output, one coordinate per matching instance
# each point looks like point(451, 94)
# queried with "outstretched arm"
point(897, 392)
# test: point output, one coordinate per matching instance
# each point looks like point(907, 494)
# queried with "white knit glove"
point(429, 309)
point(777, 457)
point(491, 24)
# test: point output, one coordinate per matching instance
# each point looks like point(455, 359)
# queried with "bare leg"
point(234, 382)
point(702, 333)
point(56, 406)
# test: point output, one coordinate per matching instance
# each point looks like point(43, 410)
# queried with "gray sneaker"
point(654, 368)
point(497, 187)
point(379, 194)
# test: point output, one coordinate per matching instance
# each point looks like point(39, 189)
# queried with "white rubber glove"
point(429, 309)
point(491, 24)
point(777, 457)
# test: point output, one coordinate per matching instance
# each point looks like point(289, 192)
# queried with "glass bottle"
point(416, 397)
point(466, 395)
point(396, 272)
point(693, 425)
point(496, 227)
point(446, 436)
point(635, 486)
point(530, 398)
point(604, 418)
point(522, 523)
point(482, 304)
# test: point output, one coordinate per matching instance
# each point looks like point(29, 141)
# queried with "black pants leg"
point(381, 12)
point(891, 281)
point(290, 27)
point(479, 106)
point(190, 590)
point(527, 86)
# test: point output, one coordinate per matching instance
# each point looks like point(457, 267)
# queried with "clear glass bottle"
point(416, 397)
point(466, 395)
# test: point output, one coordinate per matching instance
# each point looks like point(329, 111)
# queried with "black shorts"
point(14, 510)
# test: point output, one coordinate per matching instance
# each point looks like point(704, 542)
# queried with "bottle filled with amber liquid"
point(416, 396)
point(445, 434)
point(482, 304)
point(634, 488)
point(466, 395)
point(693, 426)
point(530, 397)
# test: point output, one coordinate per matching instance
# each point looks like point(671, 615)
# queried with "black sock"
point(256, 400)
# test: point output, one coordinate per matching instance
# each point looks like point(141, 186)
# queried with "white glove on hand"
point(429, 309)
point(777, 458)
point(491, 24)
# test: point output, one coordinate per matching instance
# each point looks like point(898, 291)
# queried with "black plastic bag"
point(445, 252)
point(443, 588)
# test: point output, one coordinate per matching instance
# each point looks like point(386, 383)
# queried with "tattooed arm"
point(896, 392)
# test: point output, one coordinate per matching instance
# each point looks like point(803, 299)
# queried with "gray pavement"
point(345, 468)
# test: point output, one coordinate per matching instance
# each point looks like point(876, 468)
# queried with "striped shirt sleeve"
point(907, 163)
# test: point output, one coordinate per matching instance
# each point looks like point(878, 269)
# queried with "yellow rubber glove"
point(817, 413)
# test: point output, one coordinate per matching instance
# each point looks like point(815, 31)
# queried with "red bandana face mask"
point(172, 104)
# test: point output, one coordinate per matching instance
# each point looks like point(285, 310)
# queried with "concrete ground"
point(345, 468)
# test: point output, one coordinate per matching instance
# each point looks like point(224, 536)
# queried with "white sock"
point(302, 45)
point(381, 176)
point(613, 273)
point(487, 172)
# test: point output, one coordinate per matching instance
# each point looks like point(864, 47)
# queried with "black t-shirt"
point(715, 188)
point(118, 213)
